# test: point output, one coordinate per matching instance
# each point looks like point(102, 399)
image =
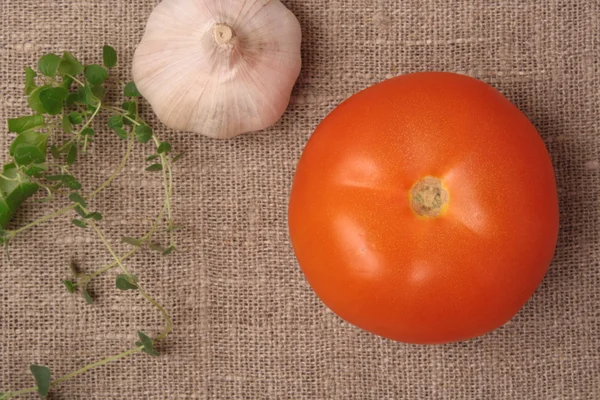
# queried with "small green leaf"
point(75, 118)
point(122, 133)
point(69, 65)
point(36, 169)
point(86, 296)
point(116, 121)
point(77, 198)
point(96, 216)
point(52, 99)
point(70, 285)
point(154, 167)
point(131, 108)
point(143, 133)
point(157, 247)
point(81, 212)
point(42, 377)
point(72, 98)
point(22, 124)
point(79, 223)
point(147, 343)
point(67, 127)
point(177, 157)
point(169, 250)
point(72, 155)
point(98, 91)
point(163, 147)
point(29, 80)
point(95, 74)
point(70, 182)
point(54, 151)
point(152, 157)
point(126, 282)
point(87, 132)
point(67, 82)
point(29, 147)
point(109, 56)
point(34, 100)
point(48, 64)
point(131, 90)
point(132, 241)
point(88, 97)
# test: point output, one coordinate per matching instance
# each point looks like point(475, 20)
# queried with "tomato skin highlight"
point(378, 264)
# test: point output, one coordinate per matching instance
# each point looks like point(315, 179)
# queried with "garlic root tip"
point(224, 34)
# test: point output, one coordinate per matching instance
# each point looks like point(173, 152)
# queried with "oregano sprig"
point(66, 98)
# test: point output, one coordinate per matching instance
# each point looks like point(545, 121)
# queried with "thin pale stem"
point(80, 371)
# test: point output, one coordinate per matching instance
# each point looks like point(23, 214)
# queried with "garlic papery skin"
point(218, 67)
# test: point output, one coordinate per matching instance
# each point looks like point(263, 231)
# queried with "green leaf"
point(131, 90)
point(152, 157)
point(34, 100)
point(95, 74)
point(87, 132)
point(169, 250)
point(88, 97)
point(29, 147)
point(147, 343)
point(67, 82)
point(15, 189)
point(48, 64)
point(98, 91)
point(109, 56)
point(126, 282)
point(143, 133)
point(81, 212)
point(36, 169)
point(177, 157)
point(116, 121)
point(163, 147)
point(54, 151)
point(69, 65)
point(73, 98)
point(70, 182)
point(157, 247)
point(86, 296)
point(67, 127)
point(154, 167)
point(22, 124)
point(77, 198)
point(122, 133)
point(70, 285)
point(130, 107)
point(42, 377)
point(29, 80)
point(79, 223)
point(52, 99)
point(75, 118)
point(95, 216)
point(72, 155)
point(132, 241)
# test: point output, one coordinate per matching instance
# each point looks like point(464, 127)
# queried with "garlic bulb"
point(218, 67)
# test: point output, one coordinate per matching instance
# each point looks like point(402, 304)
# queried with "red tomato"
point(424, 209)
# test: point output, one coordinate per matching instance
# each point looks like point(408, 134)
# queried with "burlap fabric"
point(247, 326)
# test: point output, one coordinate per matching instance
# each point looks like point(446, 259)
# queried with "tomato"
point(424, 209)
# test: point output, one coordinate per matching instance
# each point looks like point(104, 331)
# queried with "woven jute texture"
point(247, 325)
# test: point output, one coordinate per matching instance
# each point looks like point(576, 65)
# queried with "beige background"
point(247, 324)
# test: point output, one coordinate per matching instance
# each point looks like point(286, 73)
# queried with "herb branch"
point(67, 98)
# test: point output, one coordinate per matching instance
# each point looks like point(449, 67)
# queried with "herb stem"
point(80, 371)
point(108, 246)
point(75, 79)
